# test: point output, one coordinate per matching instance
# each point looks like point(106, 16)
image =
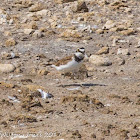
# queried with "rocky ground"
point(103, 106)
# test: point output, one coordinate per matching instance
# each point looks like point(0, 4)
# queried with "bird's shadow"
point(82, 85)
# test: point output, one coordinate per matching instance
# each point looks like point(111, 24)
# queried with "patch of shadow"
point(81, 85)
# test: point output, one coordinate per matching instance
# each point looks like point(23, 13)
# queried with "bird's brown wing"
point(63, 61)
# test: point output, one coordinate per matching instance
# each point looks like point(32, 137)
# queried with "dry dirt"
point(103, 106)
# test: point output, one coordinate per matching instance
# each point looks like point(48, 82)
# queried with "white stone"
point(123, 51)
point(28, 31)
point(42, 12)
point(30, 15)
point(6, 68)
point(37, 34)
point(108, 25)
point(138, 45)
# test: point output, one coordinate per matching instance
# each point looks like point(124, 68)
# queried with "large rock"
point(138, 45)
point(43, 12)
point(7, 33)
point(7, 85)
point(42, 72)
point(6, 68)
point(36, 7)
point(28, 31)
point(71, 33)
point(108, 25)
point(6, 56)
point(81, 7)
point(99, 31)
point(32, 87)
point(10, 42)
point(99, 60)
point(38, 34)
point(23, 3)
point(123, 51)
point(120, 61)
point(103, 50)
point(33, 25)
point(129, 31)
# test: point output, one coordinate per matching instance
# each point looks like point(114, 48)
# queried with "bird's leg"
point(87, 74)
point(67, 74)
point(64, 75)
point(74, 74)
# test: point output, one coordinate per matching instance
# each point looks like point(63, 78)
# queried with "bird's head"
point(82, 50)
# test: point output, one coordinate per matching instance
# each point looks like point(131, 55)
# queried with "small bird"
point(71, 63)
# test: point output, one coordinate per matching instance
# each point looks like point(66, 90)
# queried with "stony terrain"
point(103, 106)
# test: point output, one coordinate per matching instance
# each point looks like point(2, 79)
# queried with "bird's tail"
point(53, 66)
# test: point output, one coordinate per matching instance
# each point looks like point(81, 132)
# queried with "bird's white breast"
point(70, 66)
